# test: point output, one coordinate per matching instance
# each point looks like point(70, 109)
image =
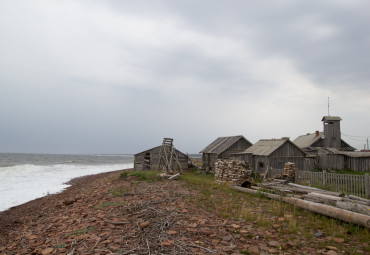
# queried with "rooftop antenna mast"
point(328, 107)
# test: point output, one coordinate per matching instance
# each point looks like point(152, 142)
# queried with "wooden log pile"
point(334, 204)
point(232, 171)
point(289, 169)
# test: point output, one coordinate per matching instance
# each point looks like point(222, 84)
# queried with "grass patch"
point(147, 176)
point(124, 174)
point(109, 204)
point(62, 245)
point(227, 203)
point(81, 231)
point(118, 192)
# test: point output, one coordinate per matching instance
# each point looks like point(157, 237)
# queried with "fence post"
point(367, 186)
point(324, 178)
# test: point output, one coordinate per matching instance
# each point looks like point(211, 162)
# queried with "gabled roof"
point(221, 144)
point(158, 147)
point(305, 141)
point(346, 147)
point(265, 147)
point(331, 118)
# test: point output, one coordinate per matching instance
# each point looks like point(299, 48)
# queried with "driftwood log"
point(338, 213)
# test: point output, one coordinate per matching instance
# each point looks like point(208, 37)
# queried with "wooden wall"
point(357, 164)
point(149, 160)
point(332, 135)
point(331, 161)
point(237, 147)
point(209, 160)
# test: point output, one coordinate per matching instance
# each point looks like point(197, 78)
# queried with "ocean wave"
point(22, 183)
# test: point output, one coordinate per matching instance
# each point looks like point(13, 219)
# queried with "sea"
point(25, 177)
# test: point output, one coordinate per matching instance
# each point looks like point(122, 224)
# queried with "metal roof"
point(331, 118)
point(221, 144)
point(265, 147)
point(305, 141)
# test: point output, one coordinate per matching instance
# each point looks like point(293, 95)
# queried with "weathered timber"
point(338, 213)
point(353, 207)
point(312, 189)
point(300, 189)
point(174, 177)
point(359, 200)
point(322, 198)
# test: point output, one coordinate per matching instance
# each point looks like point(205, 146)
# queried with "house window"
point(261, 164)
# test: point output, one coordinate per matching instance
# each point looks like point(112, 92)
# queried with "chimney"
point(317, 133)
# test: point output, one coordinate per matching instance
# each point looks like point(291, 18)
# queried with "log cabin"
point(223, 148)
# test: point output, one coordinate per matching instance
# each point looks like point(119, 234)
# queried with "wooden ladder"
point(167, 155)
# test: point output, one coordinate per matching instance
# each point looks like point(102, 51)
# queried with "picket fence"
point(357, 185)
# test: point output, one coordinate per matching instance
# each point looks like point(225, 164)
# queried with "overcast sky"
point(118, 76)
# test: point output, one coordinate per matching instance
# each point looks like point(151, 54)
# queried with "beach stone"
point(332, 248)
point(318, 235)
point(254, 249)
point(331, 252)
point(339, 240)
point(47, 251)
point(274, 244)
point(166, 243)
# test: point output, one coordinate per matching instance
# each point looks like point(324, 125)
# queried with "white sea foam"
point(23, 183)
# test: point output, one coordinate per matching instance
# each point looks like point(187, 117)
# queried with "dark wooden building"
point(273, 153)
point(149, 159)
point(331, 137)
point(223, 148)
point(330, 150)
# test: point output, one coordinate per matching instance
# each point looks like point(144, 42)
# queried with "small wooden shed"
point(149, 159)
point(223, 148)
point(273, 153)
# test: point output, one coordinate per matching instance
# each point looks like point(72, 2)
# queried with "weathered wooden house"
point(273, 153)
point(223, 148)
point(330, 150)
point(331, 137)
point(149, 159)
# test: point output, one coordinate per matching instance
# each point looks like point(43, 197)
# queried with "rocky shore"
point(105, 214)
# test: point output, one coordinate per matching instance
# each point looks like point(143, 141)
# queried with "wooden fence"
point(357, 185)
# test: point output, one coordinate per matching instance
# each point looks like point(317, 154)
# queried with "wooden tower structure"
point(332, 135)
point(167, 156)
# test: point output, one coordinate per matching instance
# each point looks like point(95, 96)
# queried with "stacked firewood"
point(289, 169)
point(232, 171)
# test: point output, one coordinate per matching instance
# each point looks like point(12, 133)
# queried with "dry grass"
point(264, 212)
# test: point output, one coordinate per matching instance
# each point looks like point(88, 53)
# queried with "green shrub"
point(148, 176)
point(124, 174)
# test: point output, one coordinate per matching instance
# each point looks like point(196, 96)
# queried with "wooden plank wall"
point(358, 164)
point(237, 147)
point(287, 150)
point(140, 164)
point(331, 161)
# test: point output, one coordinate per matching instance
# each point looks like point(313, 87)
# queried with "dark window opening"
point(261, 164)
